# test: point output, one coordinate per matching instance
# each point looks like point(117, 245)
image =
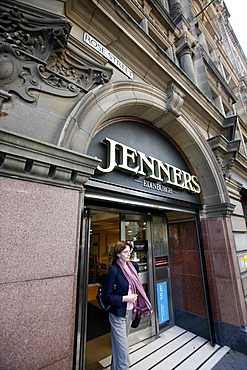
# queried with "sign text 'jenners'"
point(136, 162)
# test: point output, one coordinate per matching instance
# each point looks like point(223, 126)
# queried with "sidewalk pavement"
point(232, 360)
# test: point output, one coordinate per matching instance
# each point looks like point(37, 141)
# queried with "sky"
point(238, 20)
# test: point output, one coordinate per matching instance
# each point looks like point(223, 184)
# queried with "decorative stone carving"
point(32, 36)
point(225, 152)
point(4, 96)
point(188, 38)
point(175, 10)
point(81, 72)
point(225, 165)
point(175, 100)
point(33, 57)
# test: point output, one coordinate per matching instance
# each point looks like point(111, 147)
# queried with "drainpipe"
point(205, 281)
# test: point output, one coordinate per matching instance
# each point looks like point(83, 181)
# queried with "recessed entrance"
point(148, 235)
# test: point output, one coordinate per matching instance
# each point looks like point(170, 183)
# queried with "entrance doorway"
point(148, 235)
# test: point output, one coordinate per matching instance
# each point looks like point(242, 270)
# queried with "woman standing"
point(125, 293)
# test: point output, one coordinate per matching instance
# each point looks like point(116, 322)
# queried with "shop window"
point(160, 41)
point(104, 234)
point(144, 24)
point(165, 4)
point(131, 11)
point(227, 110)
point(245, 145)
point(217, 100)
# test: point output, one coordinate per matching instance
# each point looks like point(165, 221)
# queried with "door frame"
point(82, 291)
point(83, 270)
point(151, 331)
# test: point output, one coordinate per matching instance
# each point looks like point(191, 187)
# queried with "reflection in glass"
point(136, 231)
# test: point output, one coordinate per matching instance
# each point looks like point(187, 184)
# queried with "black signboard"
point(140, 245)
point(124, 148)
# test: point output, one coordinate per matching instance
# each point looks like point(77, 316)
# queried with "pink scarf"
point(142, 305)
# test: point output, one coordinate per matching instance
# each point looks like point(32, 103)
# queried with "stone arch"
point(133, 98)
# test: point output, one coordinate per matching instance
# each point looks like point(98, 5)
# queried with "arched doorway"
point(181, 130)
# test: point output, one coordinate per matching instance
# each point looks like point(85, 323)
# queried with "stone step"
point(175, 348)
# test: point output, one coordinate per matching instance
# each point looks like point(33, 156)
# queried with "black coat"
point(115, 287)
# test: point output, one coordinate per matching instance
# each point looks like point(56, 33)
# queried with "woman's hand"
point(130, 298)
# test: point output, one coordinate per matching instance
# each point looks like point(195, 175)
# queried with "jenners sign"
point(122, 157)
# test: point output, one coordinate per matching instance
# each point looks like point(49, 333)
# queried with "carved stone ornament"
point(225, 152)
point(175, 100)
point(33, 57)
point(175, 10)
point(225, 165)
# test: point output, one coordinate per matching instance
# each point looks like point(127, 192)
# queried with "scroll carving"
point(225, 166)
point(34, 57)
point(175, 100)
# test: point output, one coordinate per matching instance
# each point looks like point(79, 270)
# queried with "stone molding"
point(32, 160)
point(225, 152)
point(175, 10)
point(211, 65)
point(186, 41)
point(34, 57)
point(234, 188)
point(102, 102)
point(4, 96)
point(158, 5)
point(145, 11)
point(175, 100)
point(220, 210)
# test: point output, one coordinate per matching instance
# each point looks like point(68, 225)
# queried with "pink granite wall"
point(223, 271)
point(186, 274)
point(39, 245)
point(226, 292)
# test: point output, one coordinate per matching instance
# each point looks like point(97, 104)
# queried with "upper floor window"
point(165, 4)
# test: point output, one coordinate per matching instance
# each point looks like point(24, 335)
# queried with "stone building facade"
point(120, 119)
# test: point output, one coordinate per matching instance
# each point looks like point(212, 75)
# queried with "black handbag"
point(136, 321)
point(99, 298)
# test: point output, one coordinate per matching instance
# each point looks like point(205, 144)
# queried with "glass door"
point(136, 229)
point(163, 300)
point(103, 235)
point(148, 236)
